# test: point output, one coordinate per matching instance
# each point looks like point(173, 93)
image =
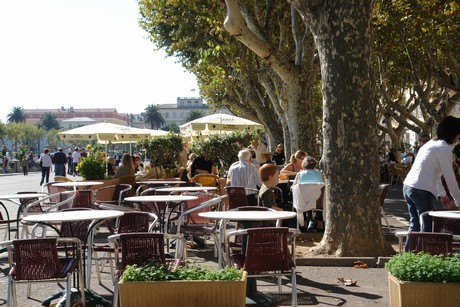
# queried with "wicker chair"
point(206, 180)
point(236, 197)
point(434, 243)
point(446, 225)
point(136, 248)
point(266, 254)
point(128, 223)
point(118, 191)
point(7, 225)
point(62, 179)
point(37, 260)
point(190, 223)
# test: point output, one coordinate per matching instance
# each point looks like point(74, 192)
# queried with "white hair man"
point(244, 174)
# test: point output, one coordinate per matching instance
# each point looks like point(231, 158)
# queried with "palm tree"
point(49, 121)
point(154, 117)
point(194, 114)
point(16, 115)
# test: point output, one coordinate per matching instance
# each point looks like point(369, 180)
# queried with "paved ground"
point(317, 280)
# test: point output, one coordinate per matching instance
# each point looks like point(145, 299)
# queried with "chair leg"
point(68, 296)
point(115, 292)
point(29, 290)
point(9, 294)
point(385, 218)
point(294, 287)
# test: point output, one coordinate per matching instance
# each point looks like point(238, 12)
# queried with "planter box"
point(422, 294)
point(183, 293)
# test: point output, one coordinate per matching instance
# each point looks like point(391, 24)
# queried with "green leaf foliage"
point(223, 148)
point(164, 150)
point(423, 267)
point(92, 167)
point(154, 272)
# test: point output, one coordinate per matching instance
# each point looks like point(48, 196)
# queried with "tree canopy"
point(16, 115)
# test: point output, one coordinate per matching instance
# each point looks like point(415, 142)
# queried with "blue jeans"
point(418, 201)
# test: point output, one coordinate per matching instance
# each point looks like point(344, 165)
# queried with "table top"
point(283, 181)
point(187, 189)
point(77, 183)
point(72, 216)
point(149, 198)
point(25, 195)
point(446, 214)
point(159, 182)
point(248, 215)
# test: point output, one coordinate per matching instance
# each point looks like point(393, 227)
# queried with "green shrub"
point(92, 167)
point(153, 272)
point(423, 267)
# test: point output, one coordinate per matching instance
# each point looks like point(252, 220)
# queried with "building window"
point(197, 104)
point(189, 104)
point(182, 104)
point(167, 115)
point(174, 115)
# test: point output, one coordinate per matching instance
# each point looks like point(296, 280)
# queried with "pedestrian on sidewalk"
point(25, 165)
point(45, 163)
point(422, 185)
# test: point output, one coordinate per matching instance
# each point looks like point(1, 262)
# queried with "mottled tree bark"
point(342, 32)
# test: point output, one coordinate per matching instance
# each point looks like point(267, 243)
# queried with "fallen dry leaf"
point(347, 282)
point(360, 265)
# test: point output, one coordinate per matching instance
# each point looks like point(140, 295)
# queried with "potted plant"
point(424, 280)
point(154, 285)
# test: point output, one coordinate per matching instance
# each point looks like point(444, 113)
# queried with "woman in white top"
point(423, 182)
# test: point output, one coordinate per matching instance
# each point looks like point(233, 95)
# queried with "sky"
point(84, 54)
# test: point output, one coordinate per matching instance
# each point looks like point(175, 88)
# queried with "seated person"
point(126, 167)
point(269, 174)
point(202, 166)
point(138, 166)
point(310, 174)
point(152, 171)
point(291, 169)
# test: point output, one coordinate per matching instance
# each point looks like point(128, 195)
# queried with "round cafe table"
point(187, 189)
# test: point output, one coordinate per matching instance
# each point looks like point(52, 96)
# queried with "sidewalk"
point(317, 278)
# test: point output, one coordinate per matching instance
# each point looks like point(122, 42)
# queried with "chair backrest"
point(76, 229)
point(133, 222)
point(446, 225)
point(62, 179)
point(122, 190)
point(26, 201)
point(267, 250)
point(36, 259)
point(430, 242)
point(384, 188)
point(193, 217)
point(141, 248)
point(83, 199)
point(206, 180)
point(236, 197)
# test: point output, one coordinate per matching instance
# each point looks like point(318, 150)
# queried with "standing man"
point(45, 162)
point(244, 174)
point(59, 161)
point(75, 160)
point(83, 153)
point(117, 158)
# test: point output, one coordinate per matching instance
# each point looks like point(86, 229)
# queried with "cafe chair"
point(206, 180)
point(37, 260)
point(7, 226)
point(136, 248)
point(396, 173)
point(384, 188)
point(446, 225)
point(434, 243)
point(237, 196)
point(50, 188)
point(112, 194)
point(128, 223)
point(191, 224)
point(62, 179)
point(305, 198)
point(266, 254)
point(49, 203)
